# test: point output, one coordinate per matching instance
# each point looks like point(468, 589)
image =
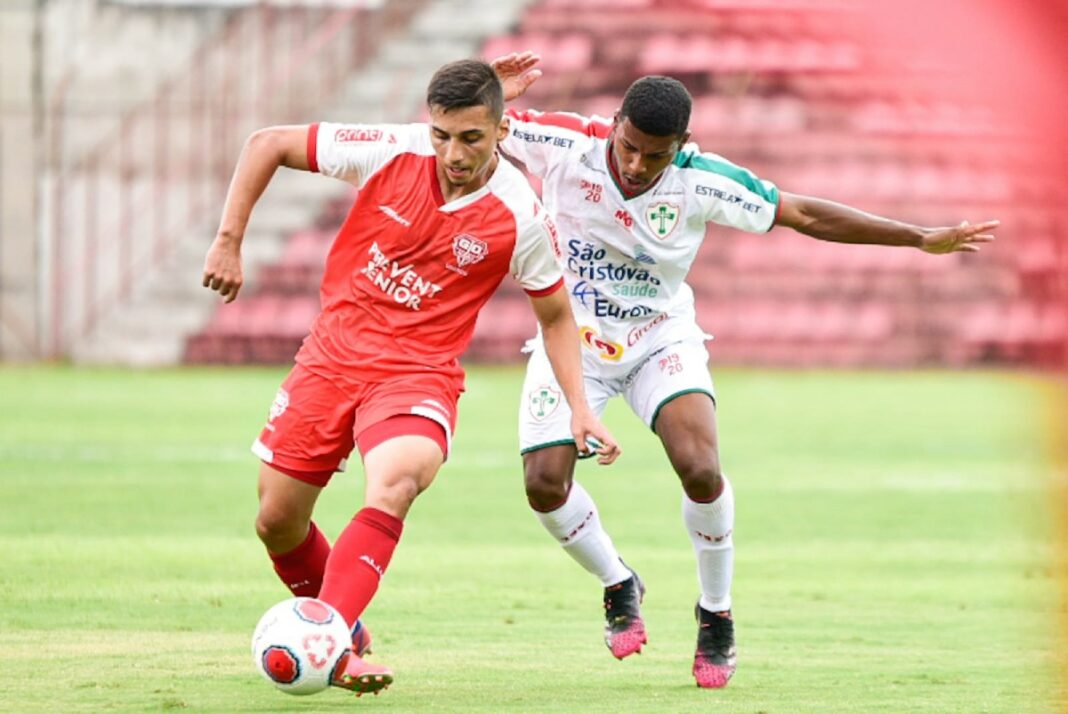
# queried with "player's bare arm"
point(839, 223)
point(516, 72)
point(560, 334)
point(263, 153)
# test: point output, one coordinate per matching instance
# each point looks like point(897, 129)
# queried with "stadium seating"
point(783, 88)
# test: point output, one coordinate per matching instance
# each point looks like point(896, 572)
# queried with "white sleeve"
point(729, 194)
point(353, 152)
point(541, 141)
point(535, 262)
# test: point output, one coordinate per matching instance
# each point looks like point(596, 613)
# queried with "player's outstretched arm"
point(560, 333)
point(516, 72)
point(839, 223)
point(263, 153)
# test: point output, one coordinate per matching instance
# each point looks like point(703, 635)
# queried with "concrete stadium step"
point(153, 330)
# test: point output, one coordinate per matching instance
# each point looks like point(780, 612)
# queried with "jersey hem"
point(542, 292)
point(670, 397)
point(546, 445)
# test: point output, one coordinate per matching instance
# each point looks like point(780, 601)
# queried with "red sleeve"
point(313, 147)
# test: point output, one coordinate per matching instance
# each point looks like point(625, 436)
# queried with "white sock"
point(577, 527)
point(710, 526)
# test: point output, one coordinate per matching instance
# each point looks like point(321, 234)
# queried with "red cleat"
point(360, 676)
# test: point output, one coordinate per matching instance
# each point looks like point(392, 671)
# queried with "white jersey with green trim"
point(626, 259)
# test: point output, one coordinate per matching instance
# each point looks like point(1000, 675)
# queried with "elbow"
point(279, 145)
point(804, 214)
point(550, 323)
point(264, 141)
point(560, 322)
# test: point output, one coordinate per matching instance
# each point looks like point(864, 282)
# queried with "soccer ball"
point(297, 644)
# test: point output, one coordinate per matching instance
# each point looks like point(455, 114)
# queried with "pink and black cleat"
point(624, 629)
point(360, 676)
point(716, 658)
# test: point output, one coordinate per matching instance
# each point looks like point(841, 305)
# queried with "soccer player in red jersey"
point(439, 220)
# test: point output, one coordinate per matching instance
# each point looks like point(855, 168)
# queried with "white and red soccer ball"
point(297, 644)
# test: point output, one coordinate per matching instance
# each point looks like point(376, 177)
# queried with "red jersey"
point(408, 272)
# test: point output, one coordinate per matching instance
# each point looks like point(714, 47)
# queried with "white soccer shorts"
point(545, 418)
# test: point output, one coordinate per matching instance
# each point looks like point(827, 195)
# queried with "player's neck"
point(451, 192)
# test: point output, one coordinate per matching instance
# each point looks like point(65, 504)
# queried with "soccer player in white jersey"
point(631, 199)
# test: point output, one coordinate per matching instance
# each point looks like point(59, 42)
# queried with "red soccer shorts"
point(314, 423)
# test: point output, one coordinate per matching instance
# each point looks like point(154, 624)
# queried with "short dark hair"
point(466, 83)
point(657, 105)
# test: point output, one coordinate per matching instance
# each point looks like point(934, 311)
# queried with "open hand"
point(516, 72)
point(961, 238)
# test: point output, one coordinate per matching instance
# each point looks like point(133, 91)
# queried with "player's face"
point(465, 141)
point(639, 157)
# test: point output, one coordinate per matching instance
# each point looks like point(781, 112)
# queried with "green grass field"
point(893, 548)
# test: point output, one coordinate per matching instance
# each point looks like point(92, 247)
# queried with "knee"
point(701, 477)
point(396, 494)
point(546, 487)
point(278, 529)
point(403, 490)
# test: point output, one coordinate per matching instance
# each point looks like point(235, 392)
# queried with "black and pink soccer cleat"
point(716, 658)
point(624, 629)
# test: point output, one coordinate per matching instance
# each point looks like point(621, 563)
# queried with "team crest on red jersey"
point(468, 251)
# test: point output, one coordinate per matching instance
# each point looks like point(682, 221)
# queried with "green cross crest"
point(662, 218)
point(543, 402)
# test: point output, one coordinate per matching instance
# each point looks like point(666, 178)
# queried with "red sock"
point(301, 569)
point(359, 560)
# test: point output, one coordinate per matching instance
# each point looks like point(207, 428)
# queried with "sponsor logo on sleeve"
point(547, 139)
point(554, 236)
point(352, 135)
point(726, 197)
